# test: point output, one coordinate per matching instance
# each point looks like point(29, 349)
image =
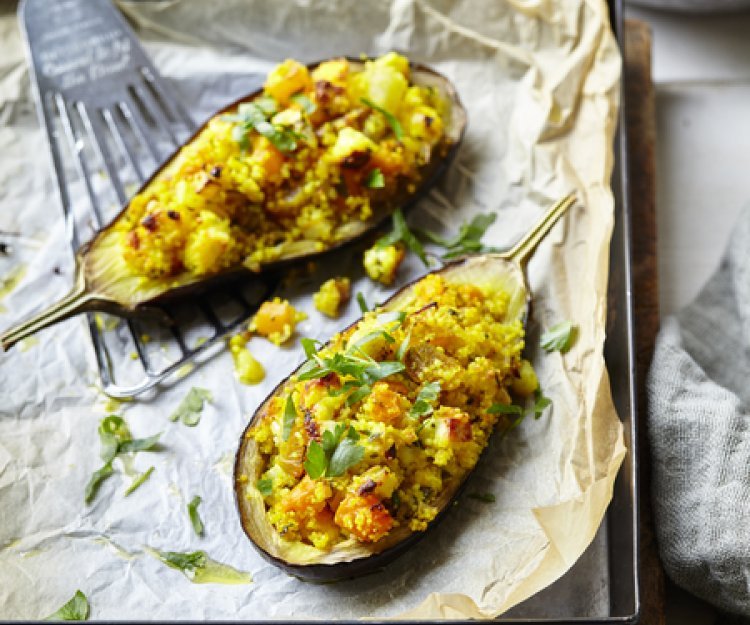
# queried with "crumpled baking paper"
point(540, 80)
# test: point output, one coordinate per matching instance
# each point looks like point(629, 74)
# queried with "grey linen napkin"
point(699, 425)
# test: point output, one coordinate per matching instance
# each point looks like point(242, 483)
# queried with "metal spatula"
point(110, 121)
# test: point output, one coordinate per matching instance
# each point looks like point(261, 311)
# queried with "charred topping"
point(133, 240)
point(216, 171)
point(149, 222)
point(325, 91)
point(367, 487)
point(356, 160)
point(311, 426)
point(174, 215)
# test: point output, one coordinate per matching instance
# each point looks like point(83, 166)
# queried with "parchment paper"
point(540, 81)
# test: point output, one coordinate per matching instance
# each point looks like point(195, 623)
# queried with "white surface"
point(702, 76)
point(701, 70)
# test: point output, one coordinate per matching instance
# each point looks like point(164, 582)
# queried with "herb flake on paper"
point(76, 609)
point(139, 480)
point(195, 519)
point(190, 409)
point(559, 338)
point(200, 569)
point(115, 439)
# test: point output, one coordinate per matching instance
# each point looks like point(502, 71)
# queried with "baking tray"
point(612, 596)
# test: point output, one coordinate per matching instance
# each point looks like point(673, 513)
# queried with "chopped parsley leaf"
point(334, 456)
point(76, 609)
point(395, 125)
point(559, 337)
point(375, 179)
point(363, 307)
point(401, 233)
point(264, 486)
point(95, 481)
point(195, 519)
point(290, 416)
point(189, 410)
point(140, 479)
point(469, 237)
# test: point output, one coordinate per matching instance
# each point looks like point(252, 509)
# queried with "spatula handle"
point(73, 303)
point(521, 251)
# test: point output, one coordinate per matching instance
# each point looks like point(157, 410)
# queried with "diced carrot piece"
point(364, 516)
point(307, 495)
point(276, 320)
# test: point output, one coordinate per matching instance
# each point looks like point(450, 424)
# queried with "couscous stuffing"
point(276, 320)
point(368, 433)
point(381, 262)
point(287, 172)
point(332, 295)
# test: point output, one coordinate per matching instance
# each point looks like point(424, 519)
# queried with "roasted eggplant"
point(378, 535)
point(107, 277)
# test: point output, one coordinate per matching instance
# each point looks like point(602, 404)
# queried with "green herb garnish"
point(505, 409)
point(113, 431)
point(375, 179)
point(116, 438)
point(559, 337)
point(363, 307)
point(469, 237)
point(140, 479)
point(305, 103)
point(200, 569)
point(195, 519)
point(77, 609)
point(264, 486)
point(395, 125)
point(359, 369)
point(426, 396)
point(189, 410)
point(139, 444)
point(316, 462)
point(401, 233)
point(333, 456)
point(95, 481)
point(483, 497)
point(290, 416)
point(254, 116)
point(540, 403)
point(185, 562)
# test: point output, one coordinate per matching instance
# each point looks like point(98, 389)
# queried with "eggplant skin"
point(110, 278)
point(314, 565)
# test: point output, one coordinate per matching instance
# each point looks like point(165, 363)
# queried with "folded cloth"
point(699, 428)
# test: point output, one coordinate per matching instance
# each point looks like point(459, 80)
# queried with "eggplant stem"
point(73, 303)
point(522, 251)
